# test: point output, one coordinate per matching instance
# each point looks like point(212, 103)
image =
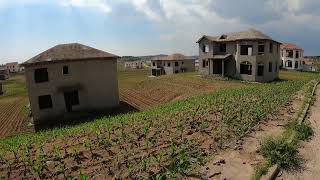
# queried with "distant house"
point(133, 65)
point(291, 56)
point(71, 78)
point(175, 63)
point(248, 55)
point(309, 65)
point(13, 67)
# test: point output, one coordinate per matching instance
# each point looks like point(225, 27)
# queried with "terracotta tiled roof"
point(290, 46)
point(73, 51)
point(250, 34)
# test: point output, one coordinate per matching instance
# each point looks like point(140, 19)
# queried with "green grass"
point(15, 86)
point(297, 75)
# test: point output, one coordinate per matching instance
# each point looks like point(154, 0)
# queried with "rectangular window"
point(271, 48)
point(45, 102)
point(270, 66)
point(246, 50)
point(41, 75)
point(297, 54)
point(176, 63)
point(245, 69)
point(169, 64)
point(205, 48)
point(223, 47)
point(260, 70)
point(260, 48)
point(153, 64)
point(289, 53)
point(65, 70)
point(203, 63)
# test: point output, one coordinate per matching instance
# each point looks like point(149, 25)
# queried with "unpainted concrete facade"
point(173, 66)
point(95, 80)
point(228, 63)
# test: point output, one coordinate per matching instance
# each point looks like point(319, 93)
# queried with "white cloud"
point(143, 7)
point(101, 5)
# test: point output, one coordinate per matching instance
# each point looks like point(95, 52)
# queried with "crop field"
point(143, 92)
point(167, 141)
point(13, 114)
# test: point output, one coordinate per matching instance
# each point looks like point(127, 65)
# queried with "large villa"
point(248, 55)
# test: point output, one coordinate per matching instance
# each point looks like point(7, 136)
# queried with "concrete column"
point(222, 67)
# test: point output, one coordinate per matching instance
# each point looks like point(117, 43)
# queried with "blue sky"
point(144, 27)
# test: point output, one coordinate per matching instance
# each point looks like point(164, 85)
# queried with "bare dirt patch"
point(310, 150)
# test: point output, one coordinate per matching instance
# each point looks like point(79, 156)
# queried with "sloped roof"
point(173, 57)
point(308, 61)
point(250, 34)
point(69, 52)
point(290, 46)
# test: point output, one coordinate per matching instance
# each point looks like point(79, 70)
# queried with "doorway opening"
point(71, 99)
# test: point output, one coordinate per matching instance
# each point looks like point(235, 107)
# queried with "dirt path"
point(238, 161)
point(310, 150)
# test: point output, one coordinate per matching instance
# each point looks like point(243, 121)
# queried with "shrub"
point(302, 131)
point(278, 151)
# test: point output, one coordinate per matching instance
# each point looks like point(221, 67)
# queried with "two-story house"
point(134, 64)
point(175, 63)
point(71, 78)
point(291, 56)
point(248, 55)
point(13, 67)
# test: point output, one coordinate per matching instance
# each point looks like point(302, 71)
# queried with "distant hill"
point(313, 57)
point(147, 58)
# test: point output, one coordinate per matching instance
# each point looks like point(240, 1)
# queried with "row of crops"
point(163, 142)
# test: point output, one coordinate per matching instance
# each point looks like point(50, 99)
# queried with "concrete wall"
point(95, 80)
point(232, 65)
point(133, 65)
point(285, 59)
point(309, 67)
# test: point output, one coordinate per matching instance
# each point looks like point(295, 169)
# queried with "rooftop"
point(69, 52)
point(250, 34)
point(290, 46)
point(173, 57)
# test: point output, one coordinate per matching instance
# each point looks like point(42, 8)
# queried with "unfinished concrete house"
point(248, 55)
point(291, 56)
point(175, 63)
point(309, 65)
point(70, 78)
point(133, 64)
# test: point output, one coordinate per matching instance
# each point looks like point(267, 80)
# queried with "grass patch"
point(301, 131)
point(277, 150)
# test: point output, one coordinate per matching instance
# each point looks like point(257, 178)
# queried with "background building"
point(175, 63)
point(291, 56)
point(248, 55)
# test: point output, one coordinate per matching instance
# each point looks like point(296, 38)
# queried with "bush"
point(278, 151)
point(302, 131)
